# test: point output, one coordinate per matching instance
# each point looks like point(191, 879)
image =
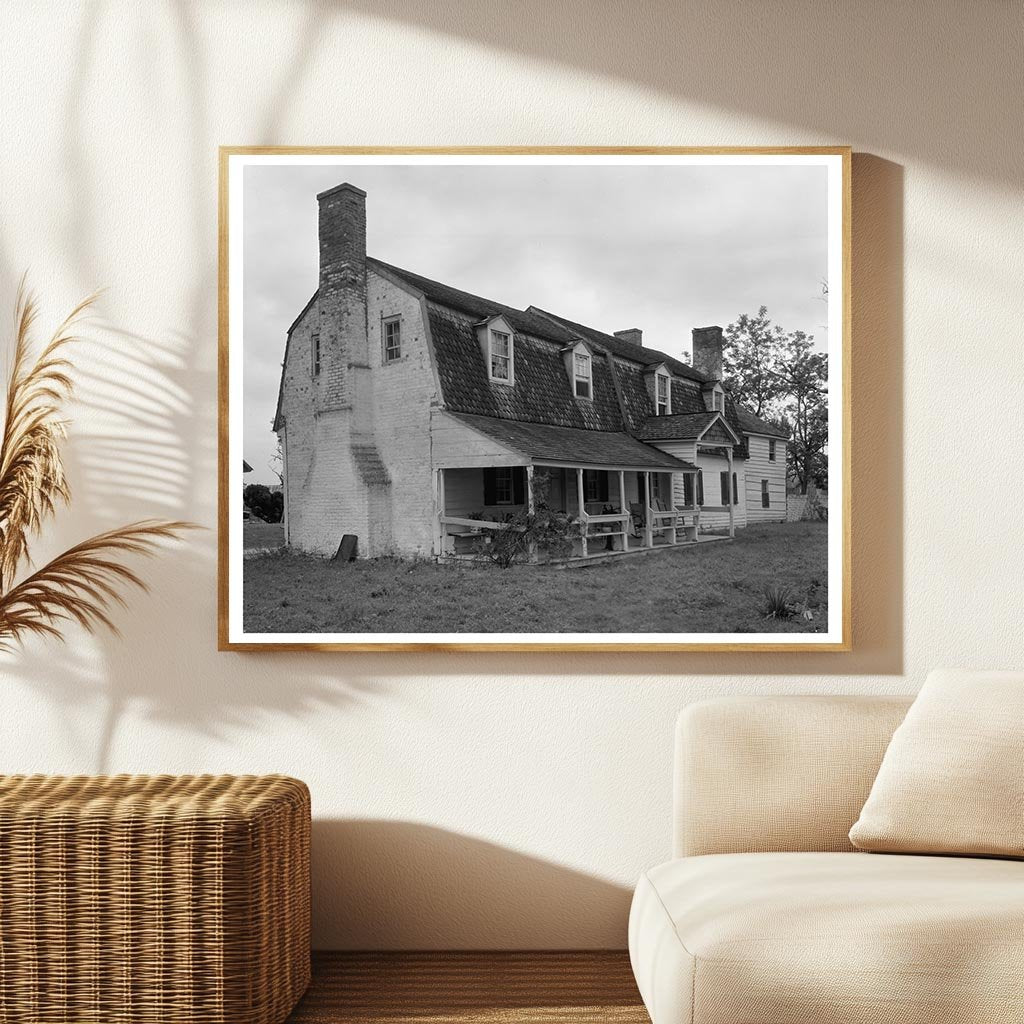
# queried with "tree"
point(804, 381)
point(750, 358)
point(782, 379)
point(276, 463)
point(267, 504)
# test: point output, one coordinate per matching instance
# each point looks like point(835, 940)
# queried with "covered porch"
point(613, 510)
point(618, 494)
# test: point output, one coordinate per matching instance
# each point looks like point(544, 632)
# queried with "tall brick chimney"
point(707, 351)
point(344, 346)
point(633, 335)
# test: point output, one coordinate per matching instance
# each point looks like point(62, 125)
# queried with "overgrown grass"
point(257, 535)
point(709, 588)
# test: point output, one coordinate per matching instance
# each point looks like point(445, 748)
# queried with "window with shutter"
point(688, 489)
point(724, 481)
point(735, 490)
point(766, 501)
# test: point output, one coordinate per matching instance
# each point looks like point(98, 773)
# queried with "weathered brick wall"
point(403, 393)
point(322, 502)
point(342, 298)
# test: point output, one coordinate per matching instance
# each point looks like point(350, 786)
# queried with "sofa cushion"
point(830, 938)
point(952, 778)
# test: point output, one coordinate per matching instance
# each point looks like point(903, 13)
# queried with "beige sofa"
point(769, 916)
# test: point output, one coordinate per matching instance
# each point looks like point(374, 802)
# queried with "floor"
point(471, 988)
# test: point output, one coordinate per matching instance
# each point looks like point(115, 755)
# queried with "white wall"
point(493, 800)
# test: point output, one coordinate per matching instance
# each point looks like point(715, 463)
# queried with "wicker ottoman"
point(135, 899)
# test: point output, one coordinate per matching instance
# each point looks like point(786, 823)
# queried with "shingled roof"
point(755, 425)
point(624, 349)
point(480, 308)
point(571, 446)
point(685, 427)
point(542, 391)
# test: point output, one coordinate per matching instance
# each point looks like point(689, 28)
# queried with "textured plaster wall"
point(504, 800)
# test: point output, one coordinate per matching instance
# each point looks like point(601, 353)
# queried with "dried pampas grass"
point(86, 581)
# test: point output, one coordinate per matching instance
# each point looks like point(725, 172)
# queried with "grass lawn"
point(259, 536)
point(707, 588)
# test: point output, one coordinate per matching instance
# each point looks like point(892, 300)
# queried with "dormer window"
point(500, 361)
point(714, 397)
point(663, 390)
point(583, 383)
point(498, 349)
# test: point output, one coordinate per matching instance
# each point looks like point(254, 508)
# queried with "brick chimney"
point(633, 335)
point(707, 351)
point(344, 345)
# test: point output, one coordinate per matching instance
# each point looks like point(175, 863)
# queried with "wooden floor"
point(471, 988)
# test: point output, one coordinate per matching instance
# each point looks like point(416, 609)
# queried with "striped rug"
point(471, 988)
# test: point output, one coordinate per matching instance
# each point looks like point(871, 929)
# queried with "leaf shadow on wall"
point(405, 885)
point(143, 444)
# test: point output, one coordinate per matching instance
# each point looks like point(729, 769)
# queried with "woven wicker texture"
point(163, 899)
point(472, 988)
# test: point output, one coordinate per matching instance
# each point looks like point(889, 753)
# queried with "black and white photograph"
point(540, 399)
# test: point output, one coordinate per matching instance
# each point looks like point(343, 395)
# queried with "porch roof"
point(687, 426)
point(570, 446)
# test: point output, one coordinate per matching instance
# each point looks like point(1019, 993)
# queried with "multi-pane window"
point(316, 355)
point(771, 450)
point(766, 501)
point(582, 375)
point(501, 356)
point(392, 339)
point(595, 485)
point(664, 394)
point(504, 491)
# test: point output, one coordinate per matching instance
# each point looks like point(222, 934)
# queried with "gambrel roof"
point(620, 403)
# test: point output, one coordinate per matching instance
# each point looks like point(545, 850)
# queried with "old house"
point(419, 417)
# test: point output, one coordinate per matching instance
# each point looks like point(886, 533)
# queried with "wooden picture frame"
point(565, 339)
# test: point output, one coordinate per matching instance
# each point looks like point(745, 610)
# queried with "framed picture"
point(535, 399)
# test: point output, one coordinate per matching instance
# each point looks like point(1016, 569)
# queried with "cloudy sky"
point(664, 248)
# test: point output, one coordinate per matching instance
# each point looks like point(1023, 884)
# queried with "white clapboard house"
point(418, 418)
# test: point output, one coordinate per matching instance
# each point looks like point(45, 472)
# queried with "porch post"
point(531, 551)
point(732, 504)
point(648, 525)
point(696, 505)
point(583, 511)
point(439, 512)
point(672, 505)
point(623, 510)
